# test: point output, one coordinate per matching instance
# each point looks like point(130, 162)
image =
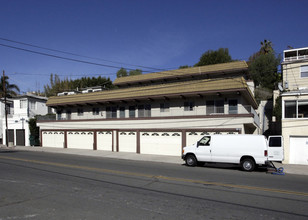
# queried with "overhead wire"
point(75, 54)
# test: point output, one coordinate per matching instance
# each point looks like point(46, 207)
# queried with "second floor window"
point(164, 107)
point(304, 71)
point(132, 111)
point(59, 114)
point(215, 107)
point(23, 103)
point(95, 111)
point(111, 112)
point(189, 106)
point(32, 105)
point(122, 112)
point(233, 106)
point(144, 111)
point(80, 112)
point(68, 114)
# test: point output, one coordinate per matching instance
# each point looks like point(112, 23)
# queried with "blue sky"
point(162, 34)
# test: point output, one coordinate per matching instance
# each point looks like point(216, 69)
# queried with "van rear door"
point(275, 148)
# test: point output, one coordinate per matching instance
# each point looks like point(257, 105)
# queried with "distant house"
point(20, 109)
point(156, 113)
point(295, 105)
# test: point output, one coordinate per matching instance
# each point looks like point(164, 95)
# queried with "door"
point(161, 143)
point(203, 151)
point(275, 148)
point(10, 136)
point(20, 137)
point(299, 150)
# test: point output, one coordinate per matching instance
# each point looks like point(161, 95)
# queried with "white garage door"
point(299, 150)
point(192, 137)
point(104, 140)
point(128, 142)
point(53, 139)
point(161, 143)
point(80, 139)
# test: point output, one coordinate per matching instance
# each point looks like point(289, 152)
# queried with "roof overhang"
point(199, 88)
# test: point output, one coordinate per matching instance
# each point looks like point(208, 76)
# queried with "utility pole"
point(5, 110)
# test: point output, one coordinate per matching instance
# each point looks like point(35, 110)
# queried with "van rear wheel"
point(248, 164)
point(191, 160)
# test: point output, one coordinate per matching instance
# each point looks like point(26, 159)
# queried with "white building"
point(156, 113)
point(295, 105)
point(20, 110)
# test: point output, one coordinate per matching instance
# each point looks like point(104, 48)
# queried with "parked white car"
point(248, 151)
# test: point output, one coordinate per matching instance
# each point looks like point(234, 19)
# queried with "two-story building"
point(19, 110)
point(295, 105)
point(156, 113)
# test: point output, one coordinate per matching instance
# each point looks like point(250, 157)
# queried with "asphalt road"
point(40, 185)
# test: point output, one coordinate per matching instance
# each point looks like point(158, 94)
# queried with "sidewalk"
point(288, 168)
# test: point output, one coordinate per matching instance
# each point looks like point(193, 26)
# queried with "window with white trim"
point(304, 71)
point(296, 109)
point(23, 103)
point(32, 104)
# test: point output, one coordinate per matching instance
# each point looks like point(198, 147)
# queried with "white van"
point(246, 150)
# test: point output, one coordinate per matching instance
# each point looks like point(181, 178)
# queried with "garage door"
point(104, 140)
point(80, 139)
point(128, 142)
point(299, 150)
point(53, 139)
point(192, 137)
point(161, 143)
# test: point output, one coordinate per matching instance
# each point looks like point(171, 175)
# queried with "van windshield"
point(205, 141)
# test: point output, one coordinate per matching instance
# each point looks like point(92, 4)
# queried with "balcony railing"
point(240, 110)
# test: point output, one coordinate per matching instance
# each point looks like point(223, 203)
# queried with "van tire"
point(190, 160)
point(248, 164)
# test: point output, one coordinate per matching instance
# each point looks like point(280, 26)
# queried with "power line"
point(78, 55)
point(60, 57)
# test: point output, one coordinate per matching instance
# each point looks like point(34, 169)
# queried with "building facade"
point(19, 111)
point(295, 106)
point(156, 113)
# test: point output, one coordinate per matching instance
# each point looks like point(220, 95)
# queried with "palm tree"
point(10, 89)
point(266, 47)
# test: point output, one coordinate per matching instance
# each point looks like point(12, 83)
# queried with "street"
point(40, 185)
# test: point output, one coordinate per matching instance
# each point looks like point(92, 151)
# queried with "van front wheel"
point(191, 160)
point(248, 164)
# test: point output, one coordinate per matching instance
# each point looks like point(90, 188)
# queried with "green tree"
point(57, 85)
point(214, 57)
point(122, 73)
point(184, 67)
point(11, 90)
point(266, 47)
point(263, 66)
point(135, 72)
